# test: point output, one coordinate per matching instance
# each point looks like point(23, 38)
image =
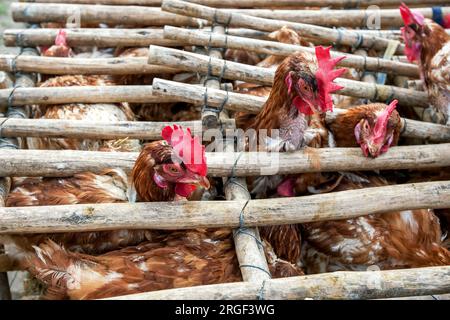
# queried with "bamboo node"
point(403, 125)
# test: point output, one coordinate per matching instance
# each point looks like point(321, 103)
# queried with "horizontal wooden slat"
point(196, 37)
point(64, 66)
point(241, 20)
point(68, 162)
point(193, 62)
point(335, 285)
point(260, 3)
point(199, 214)
point(144, 16)
point(252, 104)
point(99, 37)
point(93, 14)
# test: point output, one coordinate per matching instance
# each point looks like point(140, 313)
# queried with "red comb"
point(382, 121)
point(187, 148)
point(325, 76)
point(61, 38)
point(410, 17)
point(447, 21)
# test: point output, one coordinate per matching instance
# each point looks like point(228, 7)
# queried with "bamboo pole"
point(81, 129)
point(5, 292)
point(388, 18)
point(98, 37)
point(93, 14)
point(194, 37)
point(246, 21)
point(256, 34)
point(249, 250)
point(105, 37)
point(80, 94)
point(334, 285)
point(58, 128)
point(195, 94)
point(224, 214)
point(136, 37)
point(64, 66)
point(132, 94)
point(260, 3)
point(252, 104)
point(142, 16)
point(62, 163)
point(5, 82)
point(211, 118)
point(192, 62)
point(102, 37)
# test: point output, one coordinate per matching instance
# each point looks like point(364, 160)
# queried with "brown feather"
point(404, 239)
point(181, 259)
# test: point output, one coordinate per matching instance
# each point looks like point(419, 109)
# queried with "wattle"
point(286, 188)
point(184, 190)
point(302, 106)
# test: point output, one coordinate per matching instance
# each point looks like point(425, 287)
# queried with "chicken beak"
point(374, 149)
point(197, 180)
point(204, 182)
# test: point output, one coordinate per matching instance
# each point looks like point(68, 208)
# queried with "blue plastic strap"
point(438, 16)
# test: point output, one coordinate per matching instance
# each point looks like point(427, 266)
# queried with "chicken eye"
point(173, 170)
point(366, 125)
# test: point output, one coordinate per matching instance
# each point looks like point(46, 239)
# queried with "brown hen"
point(401, 239)
point(427, 43)
point(162, 172)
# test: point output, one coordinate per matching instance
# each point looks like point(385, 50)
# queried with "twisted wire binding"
point(260, 295)
point(5, 143)
point(359, 41)
point(242, 228)
point(339, 39)
point(391, 96)
point(11, 96)
point(19, 39)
